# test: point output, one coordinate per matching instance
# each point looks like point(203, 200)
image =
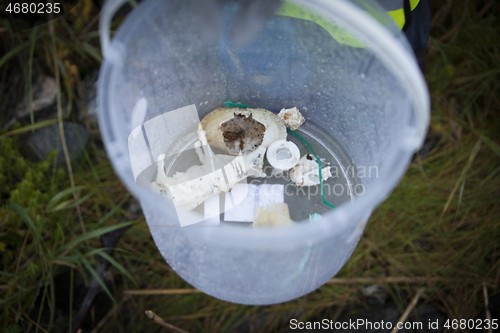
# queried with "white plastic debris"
point(190, 188)
point(236, 130)
point(292, 118)
point(273, 215)
point(283, 155)
point(306, 172)
point(248, 196)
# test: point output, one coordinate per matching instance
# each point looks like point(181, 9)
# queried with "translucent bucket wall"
point(342, 63)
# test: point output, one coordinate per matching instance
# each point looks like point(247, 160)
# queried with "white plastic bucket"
point(343, 64)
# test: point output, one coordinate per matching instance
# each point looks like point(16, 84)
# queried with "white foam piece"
point(247, 197)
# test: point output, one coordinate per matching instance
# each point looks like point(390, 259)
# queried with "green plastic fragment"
point(237, 105)
point(314, 217)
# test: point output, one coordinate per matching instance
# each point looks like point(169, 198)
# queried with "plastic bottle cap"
point(283, 155)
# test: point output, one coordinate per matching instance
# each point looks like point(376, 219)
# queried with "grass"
point(442, 221)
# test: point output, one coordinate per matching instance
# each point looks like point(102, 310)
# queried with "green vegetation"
point(442, 222)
